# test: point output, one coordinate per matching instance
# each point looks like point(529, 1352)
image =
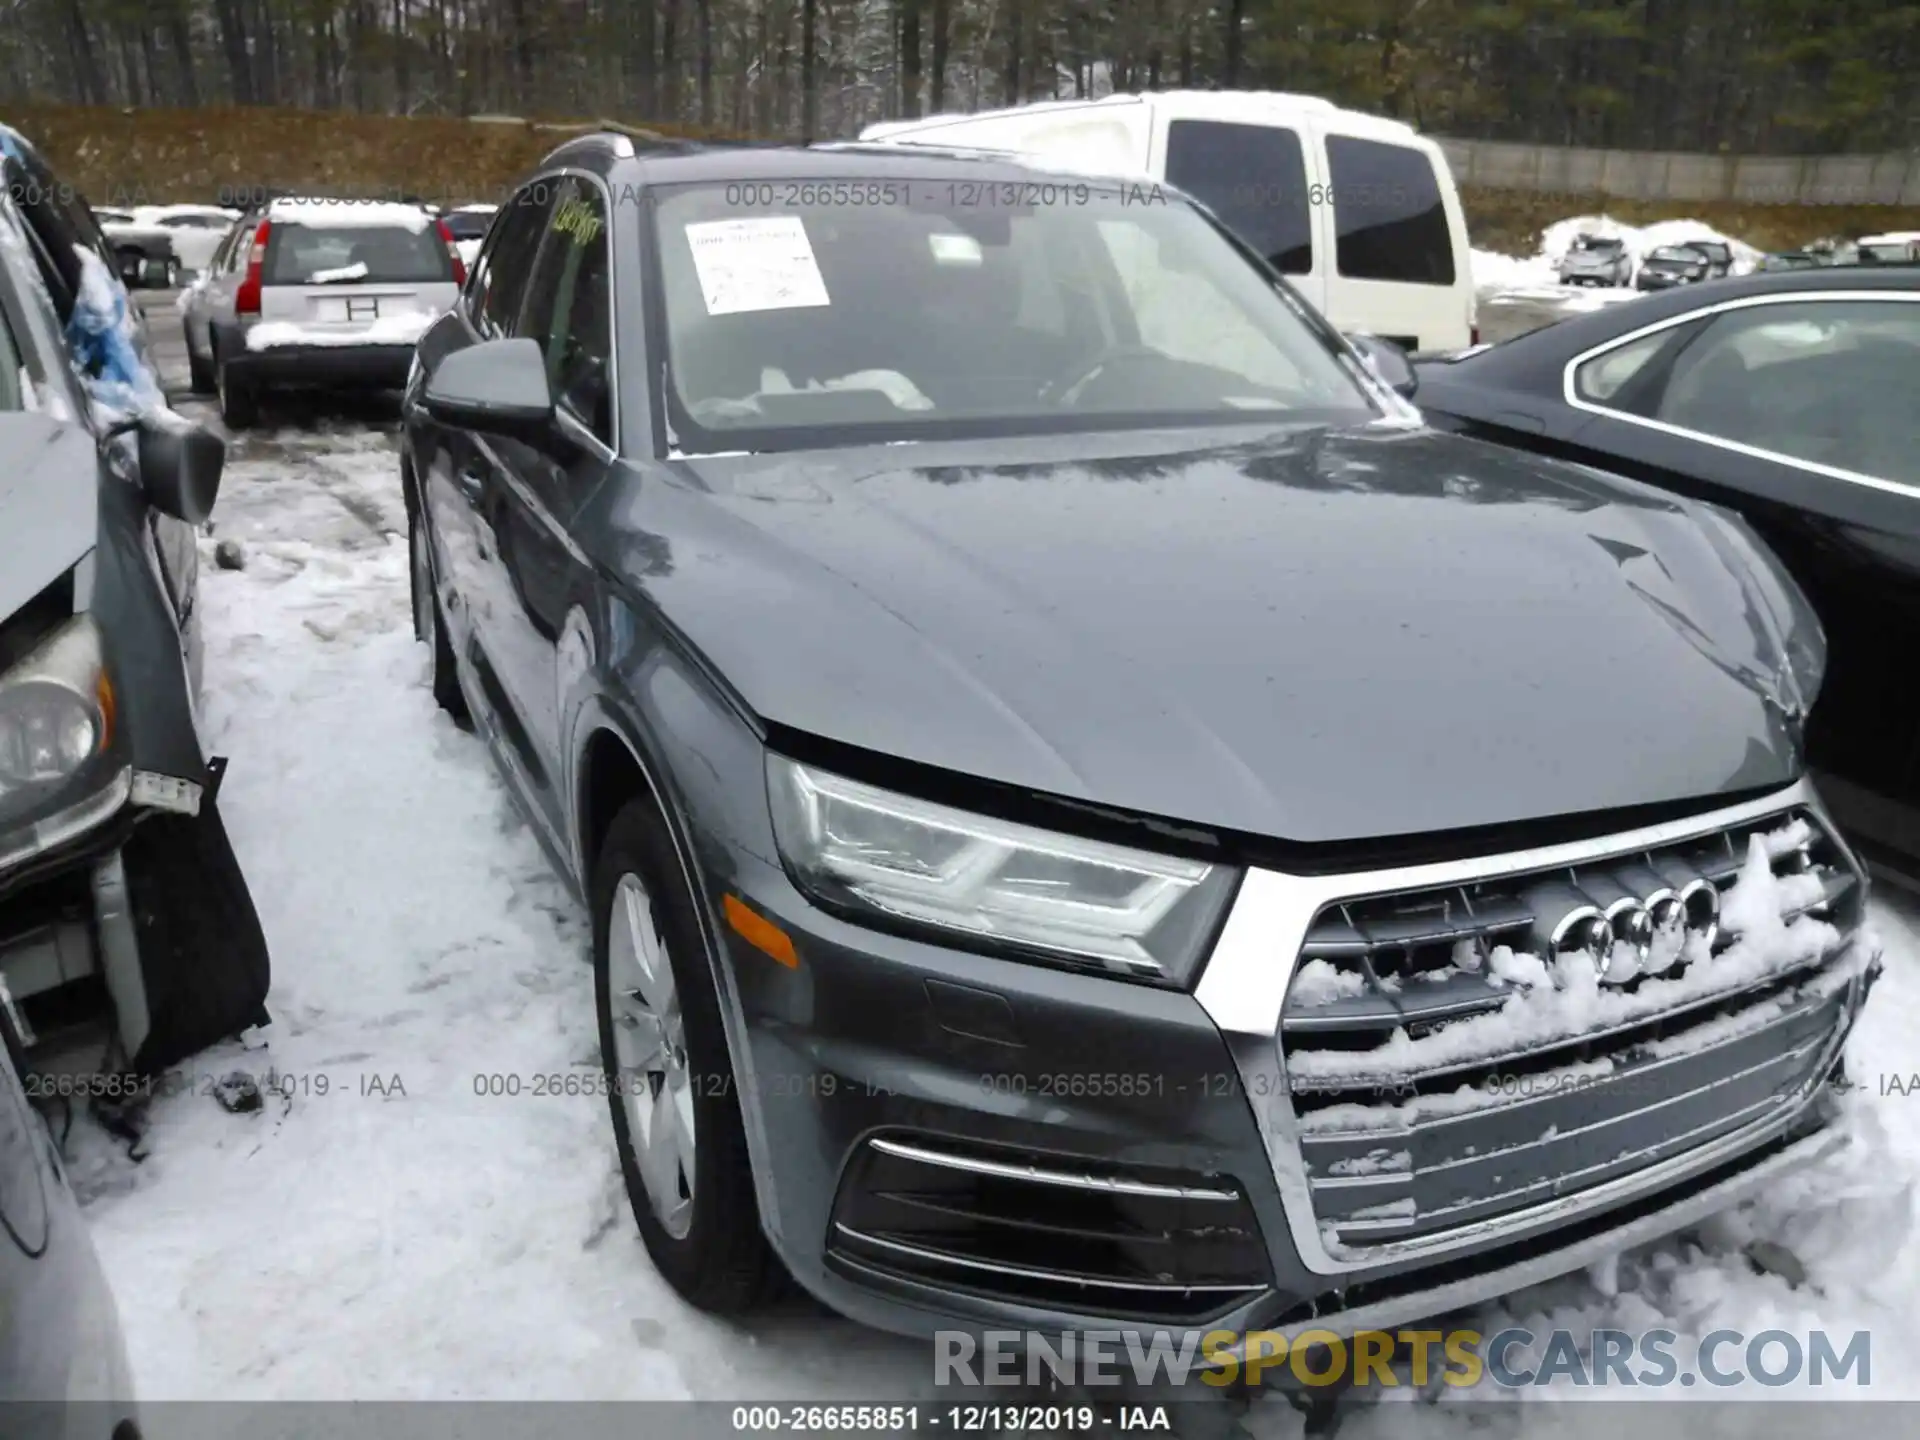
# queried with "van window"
point(1388, 216)
point(1254, 177)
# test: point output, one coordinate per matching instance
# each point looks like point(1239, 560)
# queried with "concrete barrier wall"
point(1673, 175)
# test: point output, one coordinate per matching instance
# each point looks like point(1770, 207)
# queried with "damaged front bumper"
point(65, 925)
point(72, 945)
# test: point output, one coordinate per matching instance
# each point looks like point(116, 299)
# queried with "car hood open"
point(49, 503)
point(1303, 634)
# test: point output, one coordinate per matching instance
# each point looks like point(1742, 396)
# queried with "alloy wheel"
point(650, 1045)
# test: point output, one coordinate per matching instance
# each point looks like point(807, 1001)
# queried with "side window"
point(1388, 214)
point(1254, 177)
point(1829, 382)
point(567, 306)
point(222, 259)
point(85, 227)
point(36, 194)
point(499, 283)
point(1618, 376)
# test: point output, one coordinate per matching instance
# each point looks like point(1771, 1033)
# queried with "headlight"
point(1056, 897)
point(56, 711)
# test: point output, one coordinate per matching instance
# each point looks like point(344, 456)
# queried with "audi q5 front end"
point(1093, 814)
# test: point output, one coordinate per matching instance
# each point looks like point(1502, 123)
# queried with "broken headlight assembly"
point(58, 776)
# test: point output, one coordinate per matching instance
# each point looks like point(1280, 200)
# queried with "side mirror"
point(497, 387)
point(180, 465)
point(1388, 362)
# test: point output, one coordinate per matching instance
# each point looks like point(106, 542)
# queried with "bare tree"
point(809, 76)
point(1741, 75)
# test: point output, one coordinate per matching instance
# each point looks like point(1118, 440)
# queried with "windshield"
point(1588, 242)
point(1678, 252)
point(916, 309)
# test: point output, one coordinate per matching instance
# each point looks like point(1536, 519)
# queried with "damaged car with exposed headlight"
point(120, 897)
point(1093, 814)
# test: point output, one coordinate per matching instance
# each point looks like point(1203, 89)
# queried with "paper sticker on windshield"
point(761, 262)
point(955, 249)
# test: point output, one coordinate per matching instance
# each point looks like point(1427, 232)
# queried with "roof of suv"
point(335, 210)
point(682, 163)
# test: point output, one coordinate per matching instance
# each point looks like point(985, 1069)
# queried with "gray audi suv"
point(1092, 813)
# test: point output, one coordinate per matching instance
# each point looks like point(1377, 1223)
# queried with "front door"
point(543, 575)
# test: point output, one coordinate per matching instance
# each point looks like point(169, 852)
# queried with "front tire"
point(429, 623)
point(677, 1129)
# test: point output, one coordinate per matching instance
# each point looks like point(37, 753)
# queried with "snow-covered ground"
point(416, 1240)
point(403, 1236)
point(1499, 277)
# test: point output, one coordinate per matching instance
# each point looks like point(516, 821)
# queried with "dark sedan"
point(1672, 265)
point(1793, 398)
point(1061, 761)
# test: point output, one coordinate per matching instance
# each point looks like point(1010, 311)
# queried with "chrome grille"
point(1460, 1053)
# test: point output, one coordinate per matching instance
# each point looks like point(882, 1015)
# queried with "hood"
point(49, 499)
point(1308, 635)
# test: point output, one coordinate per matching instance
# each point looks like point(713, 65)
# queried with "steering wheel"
point(1067, 388)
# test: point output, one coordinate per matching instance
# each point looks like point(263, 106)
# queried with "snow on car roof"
point(324, 213)
point(170, 212)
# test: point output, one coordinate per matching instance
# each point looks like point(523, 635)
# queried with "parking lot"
point(407, 1217)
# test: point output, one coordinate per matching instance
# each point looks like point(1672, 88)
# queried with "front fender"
point(706, 766)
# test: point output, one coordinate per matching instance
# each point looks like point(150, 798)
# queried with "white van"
point(1359, 213)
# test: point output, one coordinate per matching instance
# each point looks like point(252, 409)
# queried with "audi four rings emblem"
point(1662, 919)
